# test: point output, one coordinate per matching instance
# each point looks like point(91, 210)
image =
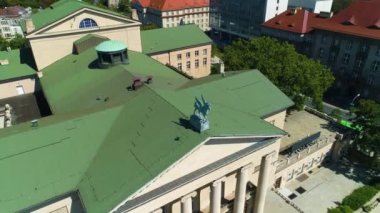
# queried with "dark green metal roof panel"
point(20, 64)
point(165, 39)
point(40, 163)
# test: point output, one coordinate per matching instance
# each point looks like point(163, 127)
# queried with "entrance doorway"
point(277, 184)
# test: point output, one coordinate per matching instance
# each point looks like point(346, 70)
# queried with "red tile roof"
point(143, 3)
point(299, 21)
point(164, 5)
point(361, 18)
point(13, 11)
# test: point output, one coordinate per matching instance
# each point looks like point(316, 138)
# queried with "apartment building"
point(243, 18)
point(185, 48)
point(172, 13)
point(10, 28)
point(348, 43)
point(315, 6)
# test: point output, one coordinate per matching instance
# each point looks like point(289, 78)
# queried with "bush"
point(359, 197)
point(340, 209)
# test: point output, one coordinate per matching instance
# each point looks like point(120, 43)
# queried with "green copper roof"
point(111, 46)
point(164, 39)
point(20, 64)
point(106, 141)
point(60, 10)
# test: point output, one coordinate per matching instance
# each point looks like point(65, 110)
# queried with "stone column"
point(263, 183)
point(216, 195)
point(157, 211)
point(240, 191)
point(187, 203)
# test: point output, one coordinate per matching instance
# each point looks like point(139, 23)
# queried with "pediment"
point(200, 157)
point(71, 23)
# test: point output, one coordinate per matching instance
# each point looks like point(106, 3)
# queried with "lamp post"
point(354, 99)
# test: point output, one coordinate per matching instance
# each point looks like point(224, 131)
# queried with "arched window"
point(87, 23)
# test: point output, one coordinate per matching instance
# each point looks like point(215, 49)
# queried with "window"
point(370, 80)
point(188, 55)
point(197, 53)
point(364, 48)
point(324, 39)
point(87, 23)
point(336, 42)
point(188, 65)
point(204, 62)
point(179, 56)
point(196, 63)
point(346, 58)
point(205, 52)
point(360, 63)
point(321, 52)
point(349, 45)
point(375, 66)
point(179, 66)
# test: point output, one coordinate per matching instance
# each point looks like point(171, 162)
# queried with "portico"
point(225, 188)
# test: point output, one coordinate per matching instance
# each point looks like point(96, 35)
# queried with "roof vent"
point(279, 22)
point(136, 84)
point(377, 24)
point(295, 10)
point(34, 123)
point(149, 79)
point(350, 21)
point(326, 14)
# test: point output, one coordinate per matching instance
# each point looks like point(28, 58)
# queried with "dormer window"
point(87, 23)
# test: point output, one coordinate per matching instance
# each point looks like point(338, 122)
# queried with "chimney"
point(29, 25)
point(134, 14)
point(305, 21)
point(326, 14)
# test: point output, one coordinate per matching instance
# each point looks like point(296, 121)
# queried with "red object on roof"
point(297, 21)
point(164, 5)
point(361, 18)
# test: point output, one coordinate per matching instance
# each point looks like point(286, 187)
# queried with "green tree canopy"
point(295, 74)
point(338, 5)
point(368, 116)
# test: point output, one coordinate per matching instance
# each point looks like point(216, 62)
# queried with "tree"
point(124, 7)
point(18, 42)
point(295, 74)
point(368, 116)
point(338, 5)
point(340, 209)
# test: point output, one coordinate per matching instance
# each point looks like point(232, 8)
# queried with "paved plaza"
point(319, 190)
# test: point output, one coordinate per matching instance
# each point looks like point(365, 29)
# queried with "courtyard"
point(318, 190)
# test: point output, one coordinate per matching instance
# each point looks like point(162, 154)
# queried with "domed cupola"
point(112, 52)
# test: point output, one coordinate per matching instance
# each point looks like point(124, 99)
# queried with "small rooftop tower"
point(112, 52)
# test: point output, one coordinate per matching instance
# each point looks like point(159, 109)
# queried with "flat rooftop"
point(24, 108)
point(302, 124)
